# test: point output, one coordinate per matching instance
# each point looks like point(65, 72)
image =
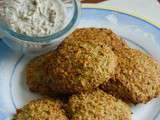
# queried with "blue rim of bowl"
point(61, 34)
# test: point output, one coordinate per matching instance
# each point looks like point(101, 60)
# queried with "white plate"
point(138, 33)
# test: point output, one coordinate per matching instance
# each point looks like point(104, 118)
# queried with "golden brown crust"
point(92, 36)
point(96, 35)
point(36, 78)
point(82, 63)
point(42, 109)
point(97, 105)
point(139, 74)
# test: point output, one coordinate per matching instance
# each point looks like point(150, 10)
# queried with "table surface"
point(146, 9)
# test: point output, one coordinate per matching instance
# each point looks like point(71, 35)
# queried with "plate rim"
point(120, 11)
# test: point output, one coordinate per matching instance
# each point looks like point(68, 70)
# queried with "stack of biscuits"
point(92, 75)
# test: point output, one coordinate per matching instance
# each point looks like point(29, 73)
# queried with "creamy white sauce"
point(34, 17)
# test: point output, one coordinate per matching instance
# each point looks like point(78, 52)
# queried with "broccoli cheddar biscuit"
point(80, 66)
point(39, 82)
point(97, 105)
point(35, 75)
point(42, 109)
point(137, 77)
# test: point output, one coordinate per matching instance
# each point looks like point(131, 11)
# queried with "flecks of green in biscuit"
point(97, 105)
point(42, 109)
point(137, 77)
point(80, 65)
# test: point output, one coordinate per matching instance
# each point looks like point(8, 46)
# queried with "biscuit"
point(97, 105)
point(35, 74)
point(103, 35)
point(42, 109)
point(137, 77)
point(80, 65)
